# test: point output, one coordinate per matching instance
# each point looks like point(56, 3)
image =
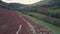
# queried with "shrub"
point(52, 20)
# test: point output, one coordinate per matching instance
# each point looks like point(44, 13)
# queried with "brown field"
point(10, 22)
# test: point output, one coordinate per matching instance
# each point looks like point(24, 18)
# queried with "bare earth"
point(13, 23)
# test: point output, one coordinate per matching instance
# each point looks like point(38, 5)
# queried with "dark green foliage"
point(51, 14)
point(45, 18)
point(55, 2)
point(56, 15)
point(52, 20)
point(10, 6)
point(30, 15)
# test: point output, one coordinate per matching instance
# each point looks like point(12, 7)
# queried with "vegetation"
point(53, 28)
point(46, 12)
point(48, 18)
point(54, 9)
point(45, 18)
point(55, 3)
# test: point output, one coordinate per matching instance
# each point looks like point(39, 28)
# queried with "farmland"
point(53, 28)
point(13, 23)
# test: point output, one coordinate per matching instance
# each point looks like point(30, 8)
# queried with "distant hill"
point(10, 6)
point(16, 5)
point(44, 2)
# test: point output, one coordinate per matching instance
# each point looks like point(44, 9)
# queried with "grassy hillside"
point(43, 19)
point(43, 2)
point(53, 28)
point(40, 18)
point(54, 9)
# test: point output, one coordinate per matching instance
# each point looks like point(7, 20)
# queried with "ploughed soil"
point(13, 23)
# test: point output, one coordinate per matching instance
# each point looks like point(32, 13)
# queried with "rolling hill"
point(10, 6)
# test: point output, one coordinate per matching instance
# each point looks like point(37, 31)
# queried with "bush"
point(47, 19)
point(55, 14)
point(52, 20)
point(52, 14)
point(30, 15)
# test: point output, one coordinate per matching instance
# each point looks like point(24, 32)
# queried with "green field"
point(54, 10)
point(53, 28)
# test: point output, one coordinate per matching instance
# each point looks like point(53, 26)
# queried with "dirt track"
point(13, 23)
